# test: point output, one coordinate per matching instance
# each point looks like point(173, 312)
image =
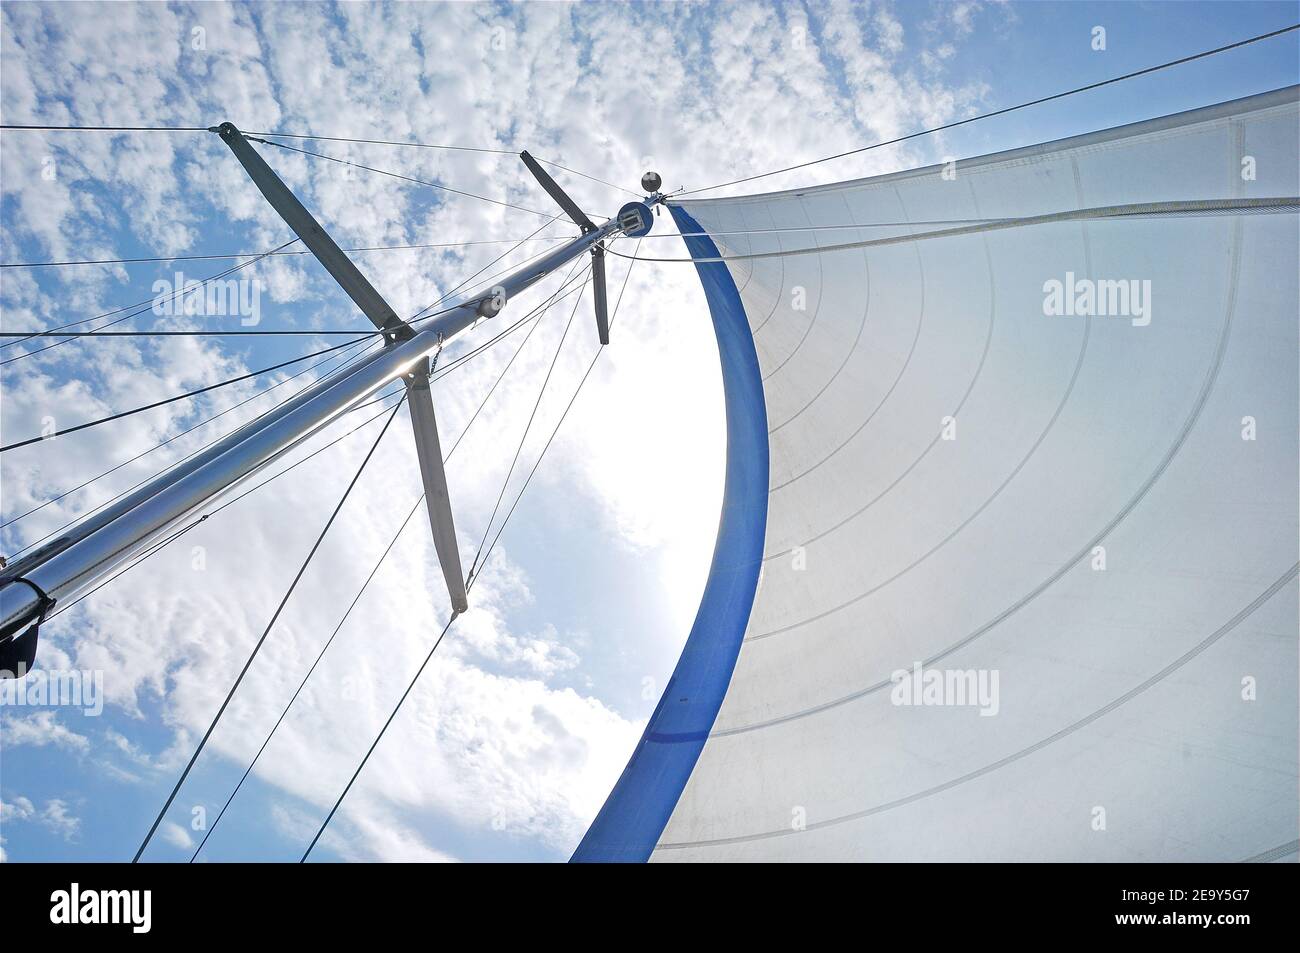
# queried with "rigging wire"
point(1140, 210)
point(159, 546)
point(303, 684)
point(425, 145)
point(169, 539)
point(242, 254)
point(153, 548)
point(282, 135)
point(267, 631)
point(385, 142)
point(281, 473)
point(541, 393)
point(565, 168)
point(396, 708)
point(781, 229)
point(505, 254)
point(176, 293)
point(417, 317)
point(162, 544)
point(171, 466)
point(231, 502)
point(171, 400)
point(146, 305)
point(1005, 109)
point(347, 362)
point(289, 135)
point(256, 137)
point(446, 369)
point(348, 332)
point(379, 737)
point(398, 175)
point(159, 446)
point(361, 592)
point(193, 393)
point(554, 239)
point(590, 367)
point(31, 128)
point(468, 355)
point(556, 296)
point(366, 333)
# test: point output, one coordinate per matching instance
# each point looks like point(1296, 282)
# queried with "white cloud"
point(57, 818)
point(40, 729)
point(19, 809)
point(176, 835)
point(54, 816)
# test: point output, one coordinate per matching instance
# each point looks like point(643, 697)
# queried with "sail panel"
point(1028, 585)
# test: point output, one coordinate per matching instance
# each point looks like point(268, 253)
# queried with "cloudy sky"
point(528, 712)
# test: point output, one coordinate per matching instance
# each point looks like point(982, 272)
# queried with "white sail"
point(1028, 550)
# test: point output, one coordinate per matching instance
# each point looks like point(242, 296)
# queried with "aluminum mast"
point(32, 585)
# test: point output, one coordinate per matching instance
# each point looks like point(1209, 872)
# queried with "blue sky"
point(527, 716)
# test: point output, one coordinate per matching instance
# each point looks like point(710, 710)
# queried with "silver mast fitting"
point(36, 584)
point(437, 499)
point(362, 292)
point(579, 217)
